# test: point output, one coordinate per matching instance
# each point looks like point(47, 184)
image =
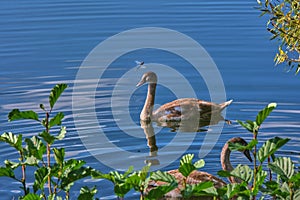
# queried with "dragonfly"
point(140, 64)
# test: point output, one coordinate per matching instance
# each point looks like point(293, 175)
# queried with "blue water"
point(42, 44)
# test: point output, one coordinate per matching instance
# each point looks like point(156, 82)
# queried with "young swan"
point(197, 176)
point(180, 109)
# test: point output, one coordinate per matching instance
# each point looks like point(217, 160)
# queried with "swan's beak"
point(247, 154)
point(140, 83)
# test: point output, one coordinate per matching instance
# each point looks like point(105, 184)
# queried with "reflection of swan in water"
point(151, 142)
point(197, 176)
point(195, 112)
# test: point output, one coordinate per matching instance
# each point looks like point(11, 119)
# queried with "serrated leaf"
point(73, 170)
point(87, 193)
point(31, 196)
point(241, 190)
point(16, 114)
point(13, 140)
point(264, 113)
point(31, 160)
point(284, 167)
point(243, 172)
point(239, 147)
point(62, 133)
point(162, 176)
point(41, 177)
point(200, 189)
point(296, 179)
point(47, 137)
point(134, 180)
point(35, 147)
point(55, 93)
point(270, 147)
point(68, 179)
point(249, 125)
point(160, 191)
point(99, 175)
point(12, 165)
point(129, 171)
point(260, 178)
point(4, 171)
point(224, 173)
point(186, 168)
point(56, 120)
point(122, 189)
point(200, 163)
point(144, 172)
point(59, 155)
point(186, 159)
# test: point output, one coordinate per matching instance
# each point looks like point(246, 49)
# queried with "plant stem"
point(270, 172)
point(254, 161)
point(23, 180)
point(48, 153)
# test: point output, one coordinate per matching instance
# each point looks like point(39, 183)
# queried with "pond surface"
point(42, 44)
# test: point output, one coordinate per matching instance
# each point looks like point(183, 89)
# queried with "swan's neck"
point(225, 161)
point(146, 113)
point(226, 164)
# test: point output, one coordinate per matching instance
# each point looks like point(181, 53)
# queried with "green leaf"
point(296, 179)
point(263, 114)
point(12, 165)
point(129, 171)
point(134, 179)
point(31, 196)
point(249, 125)
point(35, 147)
point(160, 191)
point(13, 140)
point(62, 133)
point(284, 167)
point(56, 120)
point(241, 190)
point(122, 189)
point(41, 177)
point(260, 178)
point(187, 159)
point(144, 172)
point(4, 171)
point(199, 164)
point(186, 168)
point(224, 173)
point(73, 170)
point(200, 189)
point(55, 93)
point(47, 137)
point(98, 175)
point(273, 188)
point(239, 147)
point(243, 172)
point(87, 193)
point(59, 155)
point(31, 160)
point(270, 147)
point(16, 114)
point(162, 176)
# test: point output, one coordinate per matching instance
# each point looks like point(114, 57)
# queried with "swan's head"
point(241, 141)
point(148, 77)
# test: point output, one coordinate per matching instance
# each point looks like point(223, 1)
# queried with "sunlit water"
point(42, 44)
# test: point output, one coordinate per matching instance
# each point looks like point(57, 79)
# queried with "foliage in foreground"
point(54, 175)
point(284, 25)
point(52, 181)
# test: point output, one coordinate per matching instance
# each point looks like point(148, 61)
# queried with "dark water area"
point(45, 43)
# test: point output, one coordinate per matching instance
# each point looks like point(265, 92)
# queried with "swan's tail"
point(225, 104)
